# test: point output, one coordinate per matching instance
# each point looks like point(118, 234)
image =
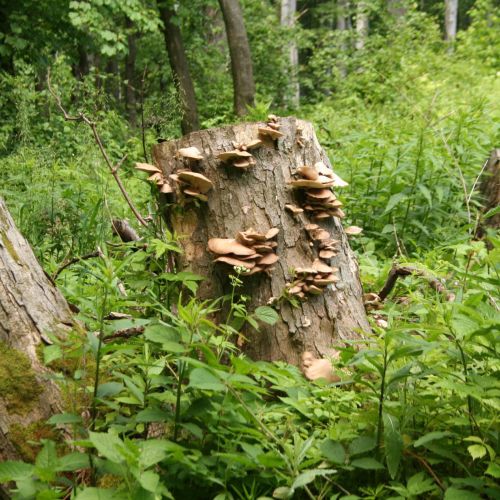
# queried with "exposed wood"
point(180, 68)
point(31, 308)
point(241, 57)
point(256, 198)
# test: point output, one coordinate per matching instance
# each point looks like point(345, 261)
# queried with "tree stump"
point(255, 198)
point(30, 308)
point(490, 188)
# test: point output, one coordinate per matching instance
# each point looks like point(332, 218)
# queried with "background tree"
point(451, 19)
point(288, 13)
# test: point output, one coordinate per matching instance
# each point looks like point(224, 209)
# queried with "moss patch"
point(18, 385)
point(10, 247)
point(26, 439)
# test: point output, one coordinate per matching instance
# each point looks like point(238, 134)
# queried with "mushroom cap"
point(224, 246)
point(294, 209)
point(196, 180)
point(321, 215)
point(338, 212)
point(321, 267)
point(313, 289)
point(327, 254)
point(166, 188)
point(305, 270)
point(233, 261)
point(156, 177)
point(327, 280)
point(268, 259)
point(242, 163)
point(254, 235)
point(306, 183)
point(272, 233)
point(256, 269)
point(191, 152)
point(337, 181)
point(353, 230)
point(311, 227)
point(319, 194)
point(308, 173)
point(235, 153)
point(270, 132)
point(323, 169)
point(241, 237)
point(196, 194)
point(320, 234)
point(272, 118)
point(262, 248)
point(256, 143)
point(146, 167)
point(295, 289)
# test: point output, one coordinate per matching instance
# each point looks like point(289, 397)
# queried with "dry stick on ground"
point(112, 167)
point(398, 271)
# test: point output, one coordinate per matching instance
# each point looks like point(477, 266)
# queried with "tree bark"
point(490, 189)
point(288, 10)
point(397, 9)
point(130, 96)
point(450, 19)
point(241, 58)
point(362, 25)
point(30, 309)
point(343, 27)
point(256, 198)
point(180, 69)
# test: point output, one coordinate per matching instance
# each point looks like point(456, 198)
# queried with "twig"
point(74, 260)
point(429, 469)
point(398, 271)
point(113, 168)
point(126, 333)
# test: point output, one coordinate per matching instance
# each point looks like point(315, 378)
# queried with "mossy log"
point(256, 197)
point(31, 309)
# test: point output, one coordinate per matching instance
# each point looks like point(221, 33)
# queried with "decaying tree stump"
point(30, 309)
point(255, 197)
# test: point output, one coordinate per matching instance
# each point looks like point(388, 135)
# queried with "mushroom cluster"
point(272, 128)
point(251, 250)
point(240, 156)
point(319, 199)
point(327, 247)
point(192, 184)
point(312, 280)
point(156, 176)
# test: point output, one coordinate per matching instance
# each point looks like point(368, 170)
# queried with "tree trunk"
point(288, 9)
point(130, 73)
point(180, 69)
point(362, 25)
point(241, 58)
point(343, 27)
point(30, 309)
point(490, 188)
point(397, 9)
point(450, 19)
point(256, 198)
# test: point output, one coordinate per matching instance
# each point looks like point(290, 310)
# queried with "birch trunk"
point(362, 25)
point(450, 19)
point(256, 198)
point(30, 309)
point(288, 10)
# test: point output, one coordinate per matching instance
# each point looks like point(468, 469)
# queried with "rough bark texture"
point(256, 198)
point(180, 70)
point(490, 188)
point(288, 11)
point(450, 19)
point(241, 58)
point(30, 308)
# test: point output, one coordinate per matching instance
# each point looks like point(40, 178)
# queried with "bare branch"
point(96, 253)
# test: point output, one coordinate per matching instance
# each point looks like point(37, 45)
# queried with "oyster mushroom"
point(146, 167)
point(197, 181)
point(190, 153)
point(222, 246)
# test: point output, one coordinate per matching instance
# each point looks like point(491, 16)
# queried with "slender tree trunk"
point(397, 9)
point(256, 198)
point(450, 19)
point(113, 79)
point(180, 69)
point(82, 68)
point(31, 308)
point(362, 25)
point(241, 58)
point(130, 94)
point(288, 9)
point(343, 27)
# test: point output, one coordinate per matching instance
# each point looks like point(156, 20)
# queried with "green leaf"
point(393, 444)
point(73, 461)
point(308, 476)
point(201, 378)
point(476, 451)
point(334, 451)
point(65, 418)
point(153, 451)
point(161, 333)
point(394, 200)
point(458, 494)
point(283, 492)
point(493, 470)
point(491, 213)
point(149, 480)
point(362, 444)
point(152, 415)
point(367, 463)
point(427, 194)
point(108, 445)
point(431, 436)
point(109, 389)
point(51, 353)
point(13, 471)
point(46, 461)
point(267, 315)
point(98, 494)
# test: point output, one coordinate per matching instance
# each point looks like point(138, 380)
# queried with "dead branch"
point(398, 271)
point(113, 168)
point(125, 333)
point(96, 253)
point(124, 230)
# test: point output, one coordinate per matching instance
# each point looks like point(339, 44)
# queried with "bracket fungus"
point(156, 176)
point(327, 247)
point(240, 156)
point(190, 154)
point(319, 199)
point(271, 130)
point(312, 280)
point(192, 184)
point(250, 249)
